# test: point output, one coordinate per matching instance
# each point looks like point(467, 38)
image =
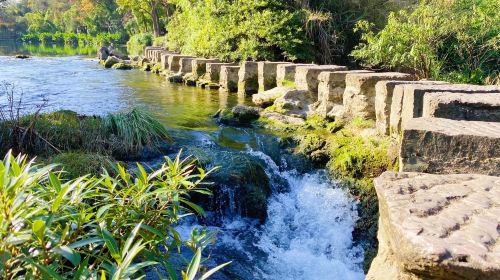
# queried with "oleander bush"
point(100, 227)
point(456, 41)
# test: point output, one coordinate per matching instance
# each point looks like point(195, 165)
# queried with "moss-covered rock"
point(122, 66)
point(239, 115)
point(110, 61)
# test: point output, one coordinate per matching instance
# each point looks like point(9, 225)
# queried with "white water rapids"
point(307, 234)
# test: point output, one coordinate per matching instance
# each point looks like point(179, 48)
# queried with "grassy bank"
point(353, 155)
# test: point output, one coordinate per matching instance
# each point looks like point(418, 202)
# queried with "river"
point(308, 230)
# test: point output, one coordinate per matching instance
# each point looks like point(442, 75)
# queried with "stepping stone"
point(384, 96)
point(359, 94)
point(199, 66)
point(213, 71)
point(185, 65)
point(437, 227)
point(267, 72)
point(413, 96)
point(435, 145)
point(267, 98)
point(331, 88)
point(462, 106)
point(285, 74)
point(174, 62)
point(248, 83)
point(306, 77)
point(229, 78)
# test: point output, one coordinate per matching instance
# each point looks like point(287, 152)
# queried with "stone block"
point(229, 78)
point(174, 62)
point(148, 52)
point(359, 94)
point(442, 146)
point(185, 65)
point(212, 74)
point(294, 103)
point(437, 227)
point(248, 82)
point(385, 99)
point(462, 106)
point(267, 72)
point(267, 98)
point(306, 77)
point(331, 88)
point(199, 66)
point(285, 73)
point(413, 97)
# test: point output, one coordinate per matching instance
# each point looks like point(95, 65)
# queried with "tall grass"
point(97, 227)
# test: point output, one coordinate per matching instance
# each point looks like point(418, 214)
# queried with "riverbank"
point(368, 118)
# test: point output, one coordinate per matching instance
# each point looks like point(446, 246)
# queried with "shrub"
point(30, 38)
point(58, 38)
point(453, 40)
point(70, 39)
point(45, 38)
point(90, 228)
point(137, 42)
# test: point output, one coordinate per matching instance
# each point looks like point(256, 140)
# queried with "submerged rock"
point(239, 115)
point(110, 61)
point(267, 98)
point(21, 56)
point(122, 66)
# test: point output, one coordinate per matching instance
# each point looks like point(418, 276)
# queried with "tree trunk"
point(156, 20)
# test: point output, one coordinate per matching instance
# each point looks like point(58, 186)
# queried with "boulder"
point(284, 119)
point(267, 98)
point(306, 77)
point(267, 71)
point(462, 106)
point(103, 53)
point(437, 227)
point(248, 82)
point(285, 74)
point(384, 99)
point(229, 78)
point(212, 74)
point(174, 62)
point(435, 145)
point(331, 86)
point(359, 94)
point(122, 66)
point(413, 96)
point(239, 115)
point(21, 56)
point(110, 61)
point(294, 103)
point(199, 66)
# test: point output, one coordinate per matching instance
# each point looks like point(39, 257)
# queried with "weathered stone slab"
point(185, 65)
point(331, 90)
point(435, 145)
point(248, 78)
point(199, 66)
point(174, 62)
point(413, 97)
point(148, 51)
point(229, 78)
point(462, 106)
point(437, 227)
point(294, 102)
point(285, 73)
point(164, 60)
point(306, 77)
point(359, 94)
point(385, 97)
point(267, 71)
point(212, 74)
point(267, 98)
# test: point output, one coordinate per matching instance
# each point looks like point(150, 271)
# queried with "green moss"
point(288, 83)
point(79, 164)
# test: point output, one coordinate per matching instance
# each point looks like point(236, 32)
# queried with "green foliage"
point(456, 41)
point(78, 164)
point(122, 135)
point(135, 129)
point(137, 42)
point(237, 30)
point(104, 227)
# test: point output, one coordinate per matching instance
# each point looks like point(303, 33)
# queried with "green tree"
point(146, 9)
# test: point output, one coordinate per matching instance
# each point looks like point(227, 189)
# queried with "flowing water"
point(308, 230)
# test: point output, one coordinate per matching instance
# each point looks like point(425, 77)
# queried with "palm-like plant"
point(92, 227)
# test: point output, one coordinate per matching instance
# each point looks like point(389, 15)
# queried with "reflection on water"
point(12, 47)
